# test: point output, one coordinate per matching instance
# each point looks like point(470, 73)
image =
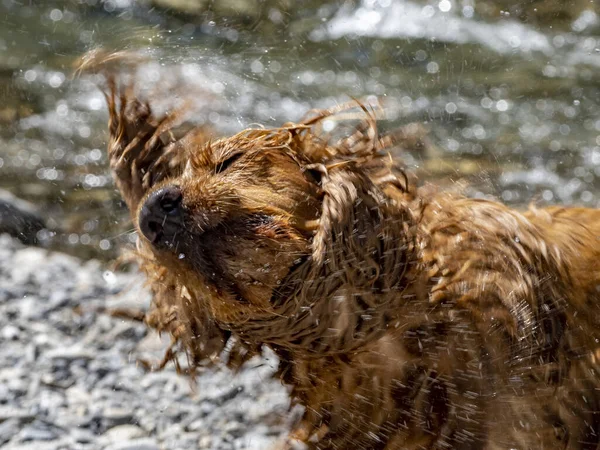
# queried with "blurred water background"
point(508, 91)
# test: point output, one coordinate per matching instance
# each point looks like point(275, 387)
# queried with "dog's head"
point(269, 224)
point(238, 219)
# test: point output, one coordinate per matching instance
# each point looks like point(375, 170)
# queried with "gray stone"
point(8, 429)
point(123, 433)
point(82, 436)
point(37, 445)
point(10, 333)
point(19, 218)
point(112, 417)
point(205, 442)
point(11, 412)
point(135, 444)
point(70, 353)
point(49, 400)
point(254, 441)
point(37, 433)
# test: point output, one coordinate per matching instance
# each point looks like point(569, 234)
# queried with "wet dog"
point(403, 317)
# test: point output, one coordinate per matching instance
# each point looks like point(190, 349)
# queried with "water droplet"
point(109, 277)
point(433, 67)
point(451, 108)
point(56, 15)
point(445, 5)
point(30, 75)
point(502, 105)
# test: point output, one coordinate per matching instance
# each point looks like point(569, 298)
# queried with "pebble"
point(10, 333)
point(82, 436)
point(19, 218)
point(12, 412)
point(36, 434)
point(8, 429)
point(70, 353)
point(69, 380)
point(135, 444)
point(37, 445)
point(116, 416)
point(123, 433)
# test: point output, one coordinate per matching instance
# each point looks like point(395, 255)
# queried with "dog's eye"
point(313, 175)
point(224, 165)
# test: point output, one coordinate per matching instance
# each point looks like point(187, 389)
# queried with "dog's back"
point(576, 232)
point(531, 283)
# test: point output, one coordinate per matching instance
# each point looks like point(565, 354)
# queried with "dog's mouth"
point(246, 259)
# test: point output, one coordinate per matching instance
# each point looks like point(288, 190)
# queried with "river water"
point(510, 98)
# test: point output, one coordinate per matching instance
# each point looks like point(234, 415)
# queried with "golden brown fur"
point(404, 318)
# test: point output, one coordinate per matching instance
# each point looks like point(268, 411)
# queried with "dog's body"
point(404, 318)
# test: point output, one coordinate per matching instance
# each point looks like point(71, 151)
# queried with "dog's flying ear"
point(142, 148)
point(361, 237)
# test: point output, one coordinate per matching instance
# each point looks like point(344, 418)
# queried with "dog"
point(404, 317)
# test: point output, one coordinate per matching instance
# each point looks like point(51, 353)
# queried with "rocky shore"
point(69, 377)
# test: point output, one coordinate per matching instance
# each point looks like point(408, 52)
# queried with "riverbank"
point(69, 378)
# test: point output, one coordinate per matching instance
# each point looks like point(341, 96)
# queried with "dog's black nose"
point(160, 218)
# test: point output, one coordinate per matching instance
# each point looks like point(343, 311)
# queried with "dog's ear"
point(363, 236)
point(142, 149)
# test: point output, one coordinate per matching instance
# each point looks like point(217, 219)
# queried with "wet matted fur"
point(403, 317)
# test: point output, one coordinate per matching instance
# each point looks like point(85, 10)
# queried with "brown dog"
point(403, 318)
